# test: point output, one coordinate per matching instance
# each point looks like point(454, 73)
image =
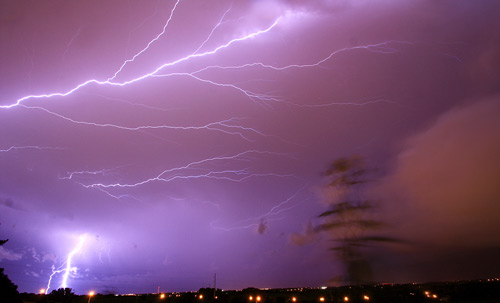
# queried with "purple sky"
point(211, 163)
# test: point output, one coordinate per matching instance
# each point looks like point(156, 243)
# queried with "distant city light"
point(91, 294)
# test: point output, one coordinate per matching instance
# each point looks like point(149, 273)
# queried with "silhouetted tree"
point(8, 290)
point(62, 295)
point(348, 221)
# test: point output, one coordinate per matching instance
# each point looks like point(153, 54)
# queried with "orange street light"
point(366, 298)
point(91, 294)
point(322, 299)
point(250, 298)
point(346, 299)
point(162, 296)
point(200, 297)
point(258, 298)
point(42, 291)
point(294, 299)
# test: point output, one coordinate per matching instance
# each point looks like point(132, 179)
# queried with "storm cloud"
point(444, 195)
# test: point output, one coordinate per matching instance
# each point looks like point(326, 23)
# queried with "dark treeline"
point(465, 291)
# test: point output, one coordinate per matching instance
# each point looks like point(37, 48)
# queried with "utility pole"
point(215, 285)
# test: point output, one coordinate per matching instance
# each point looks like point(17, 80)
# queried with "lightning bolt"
point(223, 126)
point(268, 216)
point(54, 272)
point(28, 147)
point(68, 46)
point(383, 47)
point(148, 45)
point(145, 76)
point(256, 97)
point(175, 173)
point(103, 172)
point(139, 26)
point(213, 30)
point(231, 126)
point(68, 268)
point(163, 32)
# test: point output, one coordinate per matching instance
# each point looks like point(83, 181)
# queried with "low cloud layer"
point(6, 254)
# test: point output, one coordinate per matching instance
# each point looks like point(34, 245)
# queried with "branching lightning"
point(67, 266)
point(229, 126)
point(145, 76)
point(277, 209)
point(68, 46)
point(223, 126)
point(382, 47)
point(256, 97)
point(241, 171)
point(148, 45)
point(213, 31)
point(182, 172)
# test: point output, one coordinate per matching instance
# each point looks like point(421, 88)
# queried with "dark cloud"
point(262, 227)
point(309, 236)
point(444, 191)
point(8, 202)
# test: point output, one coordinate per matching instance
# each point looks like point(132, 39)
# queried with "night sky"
point(188, 138)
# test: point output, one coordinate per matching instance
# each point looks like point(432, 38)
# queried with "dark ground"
point(463, 291)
